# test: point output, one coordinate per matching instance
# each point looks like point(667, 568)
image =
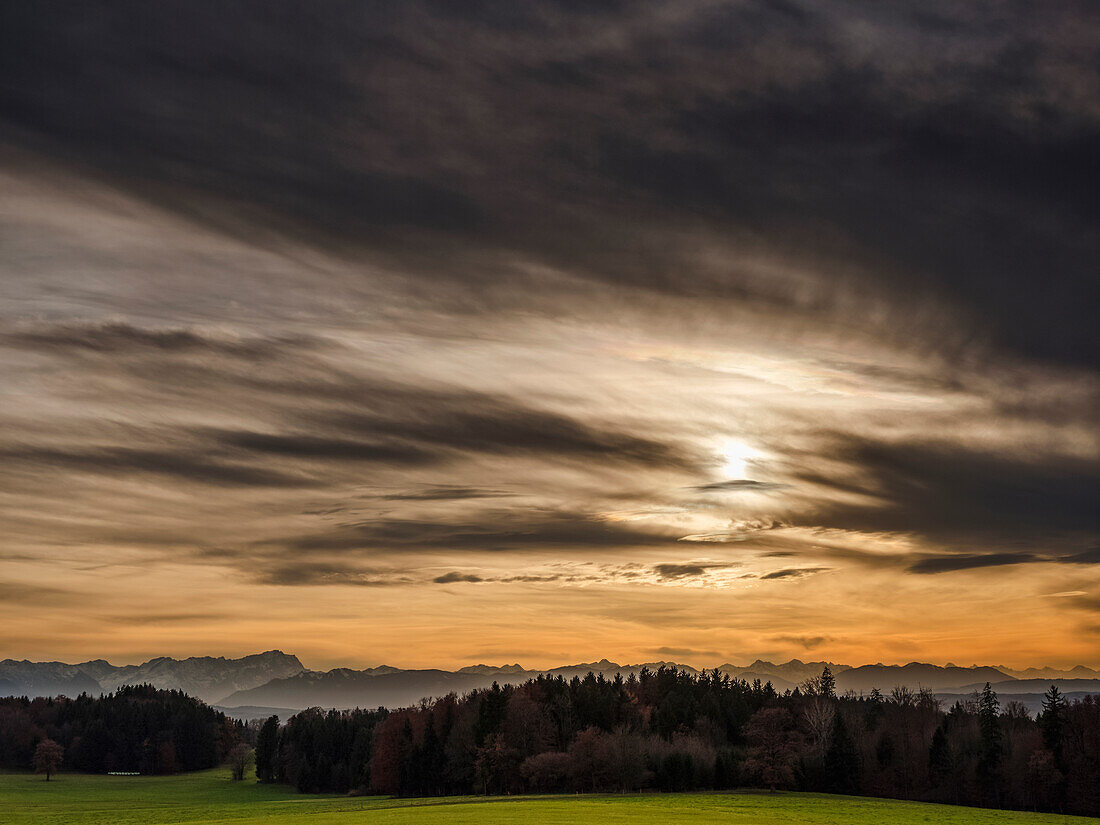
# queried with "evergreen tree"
point(941, 762)
point(490, 712)
point(267, 743)
point(827, 683)
point(1052, 721)
point(842, 768)
point(989, 761)
point(433, 759)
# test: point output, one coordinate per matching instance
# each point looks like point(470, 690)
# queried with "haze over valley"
point(257, 685)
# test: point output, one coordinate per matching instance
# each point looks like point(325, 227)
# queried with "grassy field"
point(211, 797)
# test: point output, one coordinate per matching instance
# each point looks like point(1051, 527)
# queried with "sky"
point(430, 334)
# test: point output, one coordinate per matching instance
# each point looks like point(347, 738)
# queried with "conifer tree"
point(842, 768)
point(267, 743)
point(989, 728)
point(1052, 721)
point(940, 758)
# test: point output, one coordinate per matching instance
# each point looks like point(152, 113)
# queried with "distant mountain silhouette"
point(1078, 672)
point(794, 671)
point(750, 676)
point(276, 682)
point(23, 678)
point(204, 677)
point(915, 675)
point(343, 688)
point(1014, 686)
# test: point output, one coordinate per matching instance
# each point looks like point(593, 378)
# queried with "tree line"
point(137, 729)
point(674, 731)
point(661, 730)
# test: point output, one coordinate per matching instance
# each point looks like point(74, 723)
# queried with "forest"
point(138, 729)
point(671, 731)
point(662, 730)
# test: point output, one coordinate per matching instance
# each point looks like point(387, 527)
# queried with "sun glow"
point(737, 457)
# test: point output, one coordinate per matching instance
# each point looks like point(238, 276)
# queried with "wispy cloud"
point(550, 299)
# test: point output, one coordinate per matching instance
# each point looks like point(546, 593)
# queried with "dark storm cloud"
point(496, 530)
point(963, 561)
point(454, 577)
point(794, 572)
point(450, 578)
point(948, 149)
point(116, 338)
point(527, 579)
point(483, 424)
point(316, 412)
point(678, 571)
point(307, 574)
point(410, 427)
point(1090, 556)
point(688, 570)
point(330, 449)
point(956, 495)
point(314, 574)
point(445, 493)
point(338, 415)
point(739, 484)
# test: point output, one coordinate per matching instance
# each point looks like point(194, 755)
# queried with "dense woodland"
point(668, 730)
point(138, 729)
point(663, 730)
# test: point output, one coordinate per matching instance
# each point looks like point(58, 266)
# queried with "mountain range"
point(205, 677)
point(274, 681)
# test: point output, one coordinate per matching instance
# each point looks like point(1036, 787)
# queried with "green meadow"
point(211, 797)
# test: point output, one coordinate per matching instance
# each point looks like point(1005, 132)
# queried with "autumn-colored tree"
point(497, 766)
point(665, 729)
point(546, 772)
point(527, 727)
point(166, 757)
point(47, 757)
point(773, 747)
point(388, 753)
point(590, 754)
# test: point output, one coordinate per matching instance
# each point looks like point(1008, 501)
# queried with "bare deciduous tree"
point(240, 758)
point(818, 716)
